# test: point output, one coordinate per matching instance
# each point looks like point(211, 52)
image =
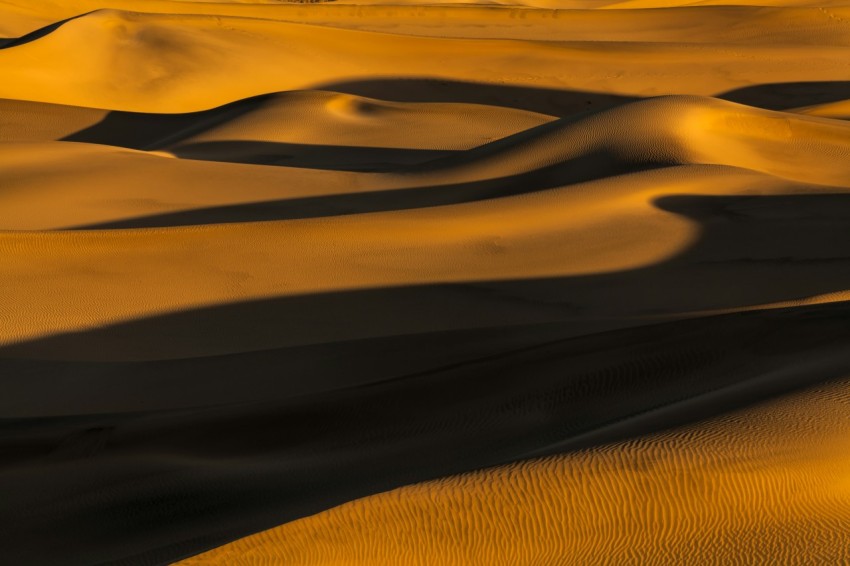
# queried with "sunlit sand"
point(397, 282)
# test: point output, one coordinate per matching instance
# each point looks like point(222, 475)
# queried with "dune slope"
point(197, 478)
point(709, 484)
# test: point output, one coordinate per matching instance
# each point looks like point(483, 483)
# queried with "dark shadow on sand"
point(328, 157)
point(554, 102)
point(155, 131)
point(155, 486)
point(7, 42)
point(589, 167)
point(784, 96)
point(565, 103)
point(137, 130)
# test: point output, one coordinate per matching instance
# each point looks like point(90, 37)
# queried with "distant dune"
point(386, 282)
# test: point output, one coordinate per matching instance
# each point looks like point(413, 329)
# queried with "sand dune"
point(159, 60)
point(839, 110)
point(196, 478)
point(565, 22)
point(787, 480)
point(424, 283)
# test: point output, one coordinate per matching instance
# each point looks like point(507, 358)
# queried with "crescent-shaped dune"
point(398, 282)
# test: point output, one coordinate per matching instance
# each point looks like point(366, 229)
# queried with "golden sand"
point(434, 177)
point(770, 484)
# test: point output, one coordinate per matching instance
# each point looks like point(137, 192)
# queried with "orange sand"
point(338, 197)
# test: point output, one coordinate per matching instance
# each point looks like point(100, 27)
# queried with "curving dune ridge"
point(542, 282)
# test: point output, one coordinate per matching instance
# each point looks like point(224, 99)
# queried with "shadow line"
point(784, 96)
point(328, 157)
point(589, 167)
point(549, 101)
point(142, 131)
point(7, 42)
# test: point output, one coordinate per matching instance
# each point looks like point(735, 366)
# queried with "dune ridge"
point(519, 282)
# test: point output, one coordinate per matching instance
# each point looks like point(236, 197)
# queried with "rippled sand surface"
point(769, 484)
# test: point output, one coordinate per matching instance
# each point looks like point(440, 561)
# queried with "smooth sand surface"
point(262, 262)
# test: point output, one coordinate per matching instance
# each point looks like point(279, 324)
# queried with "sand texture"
point(531, 282)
